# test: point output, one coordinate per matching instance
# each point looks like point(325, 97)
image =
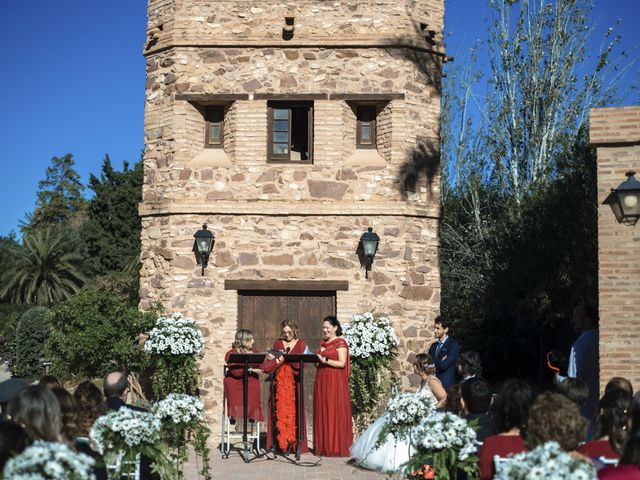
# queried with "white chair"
point(230, 432)
point(118, 464)
point(501, 463)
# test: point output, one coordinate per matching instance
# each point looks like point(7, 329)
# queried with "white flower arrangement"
point(49, 461)
point(368, 335)
point(547, 461)
point(444, 430)
point(125, 429)
point(175, 335)
point(179, 409)
point(407, 410)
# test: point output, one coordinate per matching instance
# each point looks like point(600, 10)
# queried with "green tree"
point(31, 333)
point(46, 269)
point(112, 229)
point(96, 330)
point(60, 197)
point(519, 229)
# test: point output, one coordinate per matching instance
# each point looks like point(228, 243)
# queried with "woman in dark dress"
point(233, 381)
point(333, 429)
point(289, 342)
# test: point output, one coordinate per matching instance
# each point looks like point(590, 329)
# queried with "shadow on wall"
point(421, 166)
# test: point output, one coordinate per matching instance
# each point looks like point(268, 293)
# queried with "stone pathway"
point(311, 468)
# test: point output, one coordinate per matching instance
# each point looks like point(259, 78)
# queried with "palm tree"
point(44, 271)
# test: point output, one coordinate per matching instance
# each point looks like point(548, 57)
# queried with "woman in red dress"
point(333, 430)
point(290, 343)
point(233, 381)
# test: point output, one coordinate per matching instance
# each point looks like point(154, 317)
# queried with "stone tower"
point(290, 128)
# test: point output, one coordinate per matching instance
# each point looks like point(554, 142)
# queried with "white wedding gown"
point(392, 454)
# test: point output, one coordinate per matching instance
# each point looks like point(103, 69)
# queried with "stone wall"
point(616, 133)
point(291, 221)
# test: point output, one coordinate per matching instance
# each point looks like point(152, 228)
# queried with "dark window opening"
point(290, 131)
point(214, 126)
point(366, 126)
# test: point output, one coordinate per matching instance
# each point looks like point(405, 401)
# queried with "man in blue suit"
point(444, 352)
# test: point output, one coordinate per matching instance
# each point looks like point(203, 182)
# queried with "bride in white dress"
point(395, 452)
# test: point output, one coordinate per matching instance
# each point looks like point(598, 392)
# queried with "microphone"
point(287, 350)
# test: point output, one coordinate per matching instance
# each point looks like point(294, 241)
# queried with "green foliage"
point(60, 199)
point(174, 374)
point(177, 438)
point(9, 316)
point(95, 331)
point(45, 270)
point(31, 334)
point(112, 229)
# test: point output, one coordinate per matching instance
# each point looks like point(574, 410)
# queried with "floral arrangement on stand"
point(174, 344)
point(182, 421)
point(122, 435)
point(373, 345)
point(49, 461)
point(445, 445)
point(545, 461)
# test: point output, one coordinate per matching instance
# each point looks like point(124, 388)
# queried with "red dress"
point(621, 472)
point(597, 449)
point(501, 445)
point(332, 427)
point(233, 390)
point(298, 348)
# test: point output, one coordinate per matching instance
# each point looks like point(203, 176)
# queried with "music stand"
point(300, 359)
point(245, 359)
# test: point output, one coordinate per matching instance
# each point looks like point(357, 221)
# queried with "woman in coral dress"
point(233, 381)
point(287, 429)
point(333, 430)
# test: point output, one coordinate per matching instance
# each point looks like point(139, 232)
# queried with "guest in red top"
point(290, 343)
point(629, 467)
point(233, 381)
point(610, 422)
point(333, 430)
point(510, 415)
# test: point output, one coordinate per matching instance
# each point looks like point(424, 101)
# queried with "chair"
point(253, 435)
point(118, 464)
point(500, 463)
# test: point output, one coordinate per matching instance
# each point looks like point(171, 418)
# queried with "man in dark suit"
point(116, 390)
point(444, 352)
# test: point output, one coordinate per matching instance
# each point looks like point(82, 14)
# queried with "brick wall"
point(616, 134)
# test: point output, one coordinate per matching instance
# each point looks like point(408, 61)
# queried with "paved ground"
point(310, 468)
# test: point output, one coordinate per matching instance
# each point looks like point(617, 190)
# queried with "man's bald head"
point(115, 385)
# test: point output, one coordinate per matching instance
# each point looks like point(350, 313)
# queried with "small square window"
point(214, 126)
point(366, 126)
point(290, 132)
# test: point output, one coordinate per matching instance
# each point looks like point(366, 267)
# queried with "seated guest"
point(68, 411)
point(13, 440)
point(90, 406)
point(37, 410)
point(574, 389)
point(629, 466)
point(49, 381)
point(510, 415)
point(116, 391)
point(469, 365)
point(453, 403)
point(610, 423)
point(553, 417)
point(619, 382)
point(476, 399)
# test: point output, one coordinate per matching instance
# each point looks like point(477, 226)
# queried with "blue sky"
point(73, 76)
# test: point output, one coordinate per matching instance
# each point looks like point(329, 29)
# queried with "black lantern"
point(369, 240)
point(202, 245)
point(625, 200)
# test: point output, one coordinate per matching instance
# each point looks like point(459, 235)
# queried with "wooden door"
point(261, 311)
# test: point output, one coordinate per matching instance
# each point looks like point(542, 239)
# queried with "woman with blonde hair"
point(392, 454)
point(243, 343)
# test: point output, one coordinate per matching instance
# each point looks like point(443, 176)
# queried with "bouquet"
point(369, 336)
point(447, 443)
point(546, 461)
point(48, 460)
point(125, 430)
point(179, 409)
point(175, 335)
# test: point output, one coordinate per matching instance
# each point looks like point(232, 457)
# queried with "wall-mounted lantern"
point(625, 200)
point(202, 245)
point(369, 241)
